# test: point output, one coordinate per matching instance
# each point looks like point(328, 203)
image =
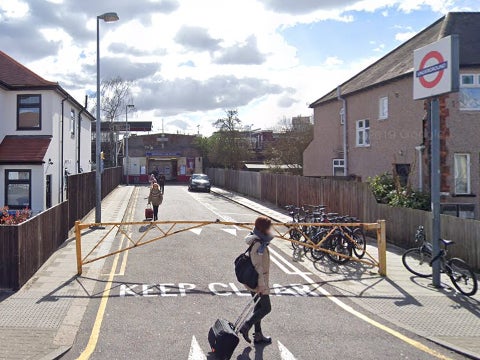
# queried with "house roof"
point(399, 62)
point(13, 74)
point(23, 149)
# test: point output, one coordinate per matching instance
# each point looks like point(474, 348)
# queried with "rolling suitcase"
point(223, 335)
point(148, 213)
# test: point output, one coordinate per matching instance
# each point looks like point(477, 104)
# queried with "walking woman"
point(260, 255)
point(155, 198)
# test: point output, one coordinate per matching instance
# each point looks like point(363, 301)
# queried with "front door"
point(48, 191)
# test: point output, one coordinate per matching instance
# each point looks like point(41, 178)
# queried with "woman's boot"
point(258, 338)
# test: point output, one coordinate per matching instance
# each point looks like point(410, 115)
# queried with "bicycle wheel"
point(295, 235)
point(361, 243)
point(462, 276)
point(340, 245)
point(318, 254)
point(417, 262)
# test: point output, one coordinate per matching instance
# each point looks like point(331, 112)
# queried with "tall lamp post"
point(107, 17)
point(126, 140)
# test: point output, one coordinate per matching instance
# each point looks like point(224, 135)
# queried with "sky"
point(190, 60)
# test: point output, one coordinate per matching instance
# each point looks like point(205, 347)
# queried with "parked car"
point(199, 182)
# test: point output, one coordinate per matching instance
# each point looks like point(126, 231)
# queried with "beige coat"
point(261, 264)
point(155, 197)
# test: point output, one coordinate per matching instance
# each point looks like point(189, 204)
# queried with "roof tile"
point(24, 149)
point(14, 74)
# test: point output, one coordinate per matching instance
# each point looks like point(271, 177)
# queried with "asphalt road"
point(165, 296)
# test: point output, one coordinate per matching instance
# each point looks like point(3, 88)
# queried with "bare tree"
point(115, 95)
point(229, 147)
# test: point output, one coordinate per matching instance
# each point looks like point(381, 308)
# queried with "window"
point(383, 108)
point(363, 133)
point(402, 171)
point(469, 96)
point(465, 211)
point(462, 174)
point(18, 192)
point(338, 167)
point(72, 122)
point(29, 112)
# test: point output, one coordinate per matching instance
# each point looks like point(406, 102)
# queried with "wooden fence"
point(26, 246)
point(352, 198)
point(81, 192)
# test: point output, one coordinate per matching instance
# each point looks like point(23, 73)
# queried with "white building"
point(44, 136)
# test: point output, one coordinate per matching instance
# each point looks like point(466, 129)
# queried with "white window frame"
point(383, 108)
point(363, 129)
point(476, 78)
point(338, 164)
point(469, 185)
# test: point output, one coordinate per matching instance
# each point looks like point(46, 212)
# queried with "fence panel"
point(8, 257)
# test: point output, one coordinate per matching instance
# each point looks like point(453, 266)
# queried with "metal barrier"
point(282, 231)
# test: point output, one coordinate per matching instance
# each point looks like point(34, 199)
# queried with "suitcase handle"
point(246, 311)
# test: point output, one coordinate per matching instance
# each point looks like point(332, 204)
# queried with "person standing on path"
point(260, 237)
point(155, 198)
point(161, 182)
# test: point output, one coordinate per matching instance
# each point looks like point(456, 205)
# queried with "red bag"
point(148, 213)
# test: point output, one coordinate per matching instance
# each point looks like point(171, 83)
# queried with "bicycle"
point(419, 261)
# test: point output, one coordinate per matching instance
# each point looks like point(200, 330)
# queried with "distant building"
point(386, 130)
point(172, 155)
point(45, 136)
point(301, 123)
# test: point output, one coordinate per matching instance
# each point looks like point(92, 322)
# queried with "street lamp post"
point(126, 140)
point(107, 17)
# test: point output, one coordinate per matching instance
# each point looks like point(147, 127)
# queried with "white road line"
point(276, 258)
point(231, 231)
point(213, 210)
point(196, 352)
point(285, 354)
point(196, 231)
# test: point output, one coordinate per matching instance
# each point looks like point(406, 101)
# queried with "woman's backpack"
point(244, 269)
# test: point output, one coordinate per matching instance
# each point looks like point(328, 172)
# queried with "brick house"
point(44, 136)
point(370, 124)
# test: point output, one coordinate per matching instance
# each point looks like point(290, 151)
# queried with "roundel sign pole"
point(436, 72)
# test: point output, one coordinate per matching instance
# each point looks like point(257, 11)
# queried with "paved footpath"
point(440, 315)
point(34, 323)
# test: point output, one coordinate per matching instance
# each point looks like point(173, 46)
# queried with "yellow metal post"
point(78, 242)
point(382, 247)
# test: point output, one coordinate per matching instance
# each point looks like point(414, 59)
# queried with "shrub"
point(7, 217)
point(388, 191)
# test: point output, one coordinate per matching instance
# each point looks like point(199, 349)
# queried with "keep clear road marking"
point(196, 352)
point(363, 317)
point(285, 354)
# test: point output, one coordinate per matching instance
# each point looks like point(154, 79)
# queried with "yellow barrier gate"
point(282, 231)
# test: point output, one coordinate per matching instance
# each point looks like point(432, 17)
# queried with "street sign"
point(436, 72)
point(436, 68)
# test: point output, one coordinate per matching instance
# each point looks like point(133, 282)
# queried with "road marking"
point(231, 231)
point(276, 258)
point(95, 334)
point(365, 318)
point(196, 231)
point(214, 211)
point(285, 354)
point(196, 352)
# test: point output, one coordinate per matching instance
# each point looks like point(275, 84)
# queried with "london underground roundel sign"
point(436, 68)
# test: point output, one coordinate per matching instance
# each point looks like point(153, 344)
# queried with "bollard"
point(78, 243)
point(382, 247)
